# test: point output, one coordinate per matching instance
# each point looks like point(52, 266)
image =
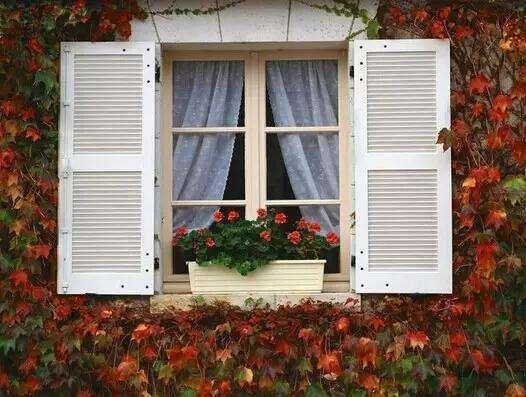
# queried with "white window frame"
point(255, 132)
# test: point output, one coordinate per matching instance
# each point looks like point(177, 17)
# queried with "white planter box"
point(284, 276)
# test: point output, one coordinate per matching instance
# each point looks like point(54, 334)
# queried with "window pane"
point(194, 218)
point(302, 166)
point(208, 167)
point(328, 218)
point(207, 93)
point(302, 93)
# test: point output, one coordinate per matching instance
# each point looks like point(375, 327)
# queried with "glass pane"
point(194, 218)
point(207, 93)
point(327, 216)
point(302, 166)
point(302, 93)
point(208, 167)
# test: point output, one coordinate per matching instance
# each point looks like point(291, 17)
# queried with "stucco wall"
point(250, 21)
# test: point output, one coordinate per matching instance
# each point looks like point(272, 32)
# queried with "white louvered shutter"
point(403, 178)
point(106, 169)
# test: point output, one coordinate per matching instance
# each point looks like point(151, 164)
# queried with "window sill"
point(160, 303)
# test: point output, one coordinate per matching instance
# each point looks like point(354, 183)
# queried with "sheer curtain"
point(205, 94)
point(305, 93)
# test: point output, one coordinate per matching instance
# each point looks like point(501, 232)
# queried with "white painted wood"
point(282, 276)
point(403, 186)
point(106, 168)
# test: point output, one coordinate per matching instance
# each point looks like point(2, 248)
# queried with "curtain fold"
point(305, 93)
point(205, 94)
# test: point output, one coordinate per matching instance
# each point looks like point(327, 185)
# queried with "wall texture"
point(250, 21)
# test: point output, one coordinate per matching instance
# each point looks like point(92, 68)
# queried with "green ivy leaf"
point(372, 29)
point(315, 390)
point(166, 372)
point(187, 392)
point(516, 187)
point(48, 79)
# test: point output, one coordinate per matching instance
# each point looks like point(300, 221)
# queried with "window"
point(244, 130)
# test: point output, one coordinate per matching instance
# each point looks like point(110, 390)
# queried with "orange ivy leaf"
point(482, 363)
point(28, 365)
point(32, 385)
point(377, 322)
point(515, 390)
point(366, 352)
point(417, 339)
point(342, 325)
point(149, 353)
point(369, 382)
point(469, 183)
point(462, 32)
point(19, 277)
point(32, 133)
point(458, 339)
point(518, 91)
point(496, 219)
point(479, 83)
point(477, 109)
point(330, 364)
point(448, 382)
point(141, 332)
point(4, 380)
point(34, 46)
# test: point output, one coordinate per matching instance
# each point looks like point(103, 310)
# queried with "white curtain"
point(205, 94)
point(305, 93)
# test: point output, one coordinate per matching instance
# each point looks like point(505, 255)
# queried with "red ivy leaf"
point(479, 84)
point(417, 339)
point(448, 382)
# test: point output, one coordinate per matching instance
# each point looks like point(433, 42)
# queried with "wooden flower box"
point(281, 276)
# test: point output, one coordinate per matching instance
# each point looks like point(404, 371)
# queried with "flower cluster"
point(246, 245)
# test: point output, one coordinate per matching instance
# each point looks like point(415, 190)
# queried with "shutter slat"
point(403, 178)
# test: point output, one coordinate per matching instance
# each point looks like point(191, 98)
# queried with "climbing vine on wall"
point(469, 343)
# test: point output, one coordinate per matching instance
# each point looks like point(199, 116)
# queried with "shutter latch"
point(66, 170)
point(65, 287)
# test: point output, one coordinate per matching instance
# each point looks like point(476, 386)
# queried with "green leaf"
point(516, 187)
point(315, 390)
point(187, 392)
point(7, 345)
point(304, 366)
point(48, 79)
point(372, 29)
point(165, 372)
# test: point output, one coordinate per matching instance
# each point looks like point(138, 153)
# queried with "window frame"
point(255, 133)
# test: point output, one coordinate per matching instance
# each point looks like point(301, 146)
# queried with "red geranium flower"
point(294, 237)
point(314, 227)
point(233, 216)
point(210, 242)
point(332, 238)
point(265, 235)
point(218, 216)
point(262, 213)
point(280, 218)
point(303, 224)
point(178, 233)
